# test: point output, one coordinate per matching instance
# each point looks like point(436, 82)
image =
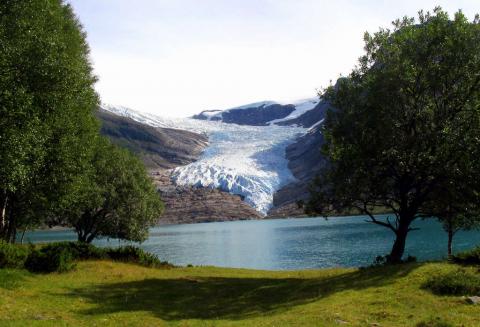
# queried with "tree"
point(454, 223)
point(456, 204)
point(403, 121)
point(114, 198)
point(47, 102)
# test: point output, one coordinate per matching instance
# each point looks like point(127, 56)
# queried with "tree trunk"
point(11, 235)
point(398, 248)
point(3, 213)
point(450, 241)
point(90, 238)
point(82, 237)
point(23, 234)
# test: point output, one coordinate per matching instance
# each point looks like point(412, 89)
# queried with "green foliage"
point(471, 257)
point(49, 259)
point(405, 125)
point(47, 101)
point(459, 282)
point(136, 255)
point(77, 250)
point(114, 198)
point(12, 256)
point(61, 256)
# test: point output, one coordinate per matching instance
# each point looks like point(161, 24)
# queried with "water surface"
point(284, 243)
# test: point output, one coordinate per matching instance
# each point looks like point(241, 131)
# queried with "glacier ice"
point(245, 160)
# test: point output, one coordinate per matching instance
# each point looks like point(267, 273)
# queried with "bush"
point(471, 257)
point(12, 256)
point(60, 256)
point(459, 282)
point(50, 259)
point(77, 250)
point(135, 255)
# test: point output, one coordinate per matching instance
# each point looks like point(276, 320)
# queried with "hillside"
point(305, 161)
point(105, 293)
point(159, 148)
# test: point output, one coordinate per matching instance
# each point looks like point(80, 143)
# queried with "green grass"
point(105, 293)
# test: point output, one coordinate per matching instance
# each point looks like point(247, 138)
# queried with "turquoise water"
point(285, 243)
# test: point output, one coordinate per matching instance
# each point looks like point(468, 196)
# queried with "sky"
point(178, 57)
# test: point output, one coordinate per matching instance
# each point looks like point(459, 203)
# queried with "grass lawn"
point(105, 293)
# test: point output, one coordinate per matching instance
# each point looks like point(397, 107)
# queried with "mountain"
point(258, 161)
point(260, 113)
point(303, 155)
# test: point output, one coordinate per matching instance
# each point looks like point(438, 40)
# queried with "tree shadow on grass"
point(228, 298)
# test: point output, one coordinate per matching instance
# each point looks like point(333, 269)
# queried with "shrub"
point(12, 256)
point(458, 282)
point(50, 259)
point(135, 255)
point(471, 257)
point(78, 250)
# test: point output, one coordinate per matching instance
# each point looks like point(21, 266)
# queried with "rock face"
point(185, 205)
point(159, 148)
point(254, 115)
point(305, 161)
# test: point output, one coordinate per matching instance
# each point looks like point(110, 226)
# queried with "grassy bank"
point(106, 293)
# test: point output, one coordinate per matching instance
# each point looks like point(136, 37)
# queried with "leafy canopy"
point(407, 120)
point(115, 197)
point(47, 102)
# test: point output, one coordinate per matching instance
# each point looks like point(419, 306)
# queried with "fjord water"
point(285, 243)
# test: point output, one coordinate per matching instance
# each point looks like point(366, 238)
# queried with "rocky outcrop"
point(310, 118)
point(256, 115)
point(159, 148)
point(185, 205)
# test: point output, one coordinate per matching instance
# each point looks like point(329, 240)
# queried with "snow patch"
point(301, 107)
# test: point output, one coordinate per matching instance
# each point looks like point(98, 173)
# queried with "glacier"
point(245, 160)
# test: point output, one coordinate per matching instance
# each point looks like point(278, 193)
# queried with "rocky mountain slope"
point(159, 148)
point(305, 161)
point(309, 118)
point(189, 204)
